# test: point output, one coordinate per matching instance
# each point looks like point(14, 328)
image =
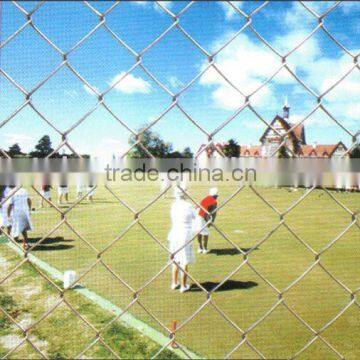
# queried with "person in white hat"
point(182, 216)
point(205, 217)
point(19, 212)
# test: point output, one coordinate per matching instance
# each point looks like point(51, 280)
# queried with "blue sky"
point(174, 61)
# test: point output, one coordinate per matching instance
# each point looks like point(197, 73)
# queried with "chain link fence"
point(175, 101)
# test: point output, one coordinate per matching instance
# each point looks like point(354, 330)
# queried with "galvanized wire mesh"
point(175, 101)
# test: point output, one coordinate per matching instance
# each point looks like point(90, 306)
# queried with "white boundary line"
point(126, 318)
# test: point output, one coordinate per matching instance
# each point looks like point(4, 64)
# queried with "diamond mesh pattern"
point(175, 101)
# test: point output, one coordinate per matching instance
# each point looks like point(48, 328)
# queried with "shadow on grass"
point(52, 247)
point(229, 251)
point(49, 240)
point(227, 286)
point(49, 244)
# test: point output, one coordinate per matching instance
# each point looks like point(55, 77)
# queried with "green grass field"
point(246, 297)
point(27, 298)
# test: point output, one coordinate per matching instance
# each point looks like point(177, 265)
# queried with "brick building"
point(295, 142)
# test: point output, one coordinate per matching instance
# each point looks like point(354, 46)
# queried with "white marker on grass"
point(69, 279)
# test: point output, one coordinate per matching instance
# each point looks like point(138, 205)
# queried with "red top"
point(206, 203)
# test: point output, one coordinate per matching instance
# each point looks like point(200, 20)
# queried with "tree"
point(355, 154)
point(156, 146)
point(187, 153)
point(175, 155)
point(283, 152)
point(231, 149)
point(15, 150)
point(153, 144)
point(43, 148)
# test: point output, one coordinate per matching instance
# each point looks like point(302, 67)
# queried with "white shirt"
point(182, 214)
point(20, 201)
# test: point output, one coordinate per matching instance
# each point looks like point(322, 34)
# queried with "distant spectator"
point(46, 193)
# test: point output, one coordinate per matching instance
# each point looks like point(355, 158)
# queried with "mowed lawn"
point(245, 298)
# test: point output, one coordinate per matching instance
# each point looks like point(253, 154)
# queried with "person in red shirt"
point(207, 212)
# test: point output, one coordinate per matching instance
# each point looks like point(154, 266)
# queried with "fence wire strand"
point(175, 101)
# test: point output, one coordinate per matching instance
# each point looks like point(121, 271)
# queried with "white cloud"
point(305, 54)
point(175, 82)
point(166, 4)
point(26, 142)
point(142, 3)
point(108, 147)
point(342, 100)
point(130, 84)
point(349, 7)
point(247, 63)
point(319, 6)
point(318, 119)
point(230, 12)
point(299, 16)
point(91, 92)
point(71, 93)
point(254, 124)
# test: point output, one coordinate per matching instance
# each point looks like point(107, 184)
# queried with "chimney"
point(286, 110)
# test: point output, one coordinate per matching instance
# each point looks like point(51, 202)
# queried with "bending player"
point(206, 213)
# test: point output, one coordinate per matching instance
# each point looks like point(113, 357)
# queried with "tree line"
point(159, 148)
point(41, 150)
point(149, 139)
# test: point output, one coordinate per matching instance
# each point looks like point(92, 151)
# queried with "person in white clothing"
point(80, 189)
point(46, 193)
point(63, 193)
point(91, 192)
point(182, 216)
point(19, 212)
point(5, 222)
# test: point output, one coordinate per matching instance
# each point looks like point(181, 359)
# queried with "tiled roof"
point(325, 150)
point(307, 150)
point(254, 150)
point(298, 133)
point(211, 149)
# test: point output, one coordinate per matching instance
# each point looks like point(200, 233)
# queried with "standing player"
point(182, 215)
point(19, 212)
point(5, 222)
point(46, 193)
point(164, 183)
point(91, 192)
point(63, 192)
point(79, 190)
point(209, 203)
